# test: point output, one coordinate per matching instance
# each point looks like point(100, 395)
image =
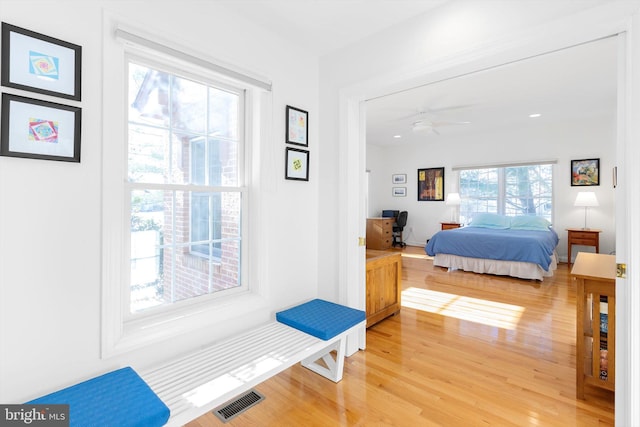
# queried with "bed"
point(522, 247)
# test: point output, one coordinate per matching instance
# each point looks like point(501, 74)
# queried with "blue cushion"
point(320, 318)
point(119, 398)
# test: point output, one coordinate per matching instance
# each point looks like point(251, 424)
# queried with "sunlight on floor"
point(418, 256)
point(476, 310)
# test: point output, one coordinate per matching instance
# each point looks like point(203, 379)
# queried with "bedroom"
point(575, 95)
point(68, 239)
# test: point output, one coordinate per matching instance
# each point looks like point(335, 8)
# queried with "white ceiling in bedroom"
point(575, 83)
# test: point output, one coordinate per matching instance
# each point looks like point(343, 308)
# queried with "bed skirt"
point(519, 269)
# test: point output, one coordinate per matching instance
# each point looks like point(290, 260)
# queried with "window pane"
point(189, 105)
point(148, 95)
point(147, 151)
point(223, 114)
point(147, 220)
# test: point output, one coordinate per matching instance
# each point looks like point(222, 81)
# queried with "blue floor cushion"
point(320, 318)
point(119, 398)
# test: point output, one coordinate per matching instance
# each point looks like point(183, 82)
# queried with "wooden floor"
point(466, 350)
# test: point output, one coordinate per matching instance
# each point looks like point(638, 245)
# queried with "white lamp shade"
point(586, 199)
point(453, 199)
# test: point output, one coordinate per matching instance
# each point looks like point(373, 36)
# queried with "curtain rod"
point(505, 165)
point(141, 41)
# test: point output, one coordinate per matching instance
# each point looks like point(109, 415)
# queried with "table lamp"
point(586, 199)
point(453, 200)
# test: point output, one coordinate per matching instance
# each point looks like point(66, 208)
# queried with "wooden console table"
point(595, 275)
point(384, 285)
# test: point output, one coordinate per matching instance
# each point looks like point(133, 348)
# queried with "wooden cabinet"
point(384, 285)
point(578, 236)
point(380, 233)
point(595, 276)
point(449, 225)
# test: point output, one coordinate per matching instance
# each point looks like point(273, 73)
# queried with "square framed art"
point(297, 126)
point(585, 172)
point(297, 164)
point(39, 63)
point(36, 129)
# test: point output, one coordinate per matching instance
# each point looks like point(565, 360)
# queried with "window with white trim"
point(184, 185)
point(507, 190)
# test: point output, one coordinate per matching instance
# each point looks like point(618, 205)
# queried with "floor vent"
point(234, 408)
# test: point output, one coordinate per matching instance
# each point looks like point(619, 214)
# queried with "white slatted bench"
point(195, 384)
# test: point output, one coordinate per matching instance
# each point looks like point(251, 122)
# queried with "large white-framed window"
point(184, 181)
point(177, 186)
point(512, 190)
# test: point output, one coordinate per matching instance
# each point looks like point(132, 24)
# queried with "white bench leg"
point(332, 368)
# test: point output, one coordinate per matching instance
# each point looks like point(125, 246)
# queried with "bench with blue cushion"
point(185, 388)
point(118, 398)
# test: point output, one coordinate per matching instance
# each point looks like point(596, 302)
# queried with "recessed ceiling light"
point(397, 136)
point(534, 115)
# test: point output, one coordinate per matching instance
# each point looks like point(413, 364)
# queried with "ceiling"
point(323, 26)
point(575, 83)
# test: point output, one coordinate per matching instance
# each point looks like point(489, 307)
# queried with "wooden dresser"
point(380, 233)
point(384, 285)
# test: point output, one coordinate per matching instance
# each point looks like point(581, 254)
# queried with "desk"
point(595, 276)
point(578, 236)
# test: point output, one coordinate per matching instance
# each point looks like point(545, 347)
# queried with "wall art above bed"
point(431, 184)
point(585, 172)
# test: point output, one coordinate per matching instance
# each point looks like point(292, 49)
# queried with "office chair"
point(401, 221)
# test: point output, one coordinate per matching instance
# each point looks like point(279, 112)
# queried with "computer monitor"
point(387, 213)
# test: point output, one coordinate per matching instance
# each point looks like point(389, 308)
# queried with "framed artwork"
point(585, 172)
point(297, 164)
point(431, 185)
point(399, 191)
point(297, 126)
point(39, 63)
point(399, 178)
point(37, 129)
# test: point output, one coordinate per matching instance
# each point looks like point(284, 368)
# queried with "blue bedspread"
point(509, 245)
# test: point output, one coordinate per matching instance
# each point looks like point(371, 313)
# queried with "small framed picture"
point(399, 178)
point(399, 191)
point(585, 172)
point(39, 63)
point(297, 126)
point(37, 129)
point(297, 164)
point(431, 184)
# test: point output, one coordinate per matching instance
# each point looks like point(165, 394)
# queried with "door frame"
point(593, 24)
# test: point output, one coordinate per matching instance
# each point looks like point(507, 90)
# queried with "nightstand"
point(578, 236)
point(449, 225)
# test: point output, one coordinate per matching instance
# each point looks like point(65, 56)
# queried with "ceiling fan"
point(429, 126)
point(425, 120)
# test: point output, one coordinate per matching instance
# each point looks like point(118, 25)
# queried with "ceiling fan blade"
point(449, 123)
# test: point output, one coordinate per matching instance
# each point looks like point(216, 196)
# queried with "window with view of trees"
point(184, 184)
point(511, 190)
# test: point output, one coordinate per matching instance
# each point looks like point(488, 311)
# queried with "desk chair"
point(401, 221)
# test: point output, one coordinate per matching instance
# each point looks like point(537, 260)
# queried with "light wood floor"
point(477, 350)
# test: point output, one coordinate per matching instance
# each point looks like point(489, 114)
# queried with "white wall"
point(540, 140)
point(50, 212)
